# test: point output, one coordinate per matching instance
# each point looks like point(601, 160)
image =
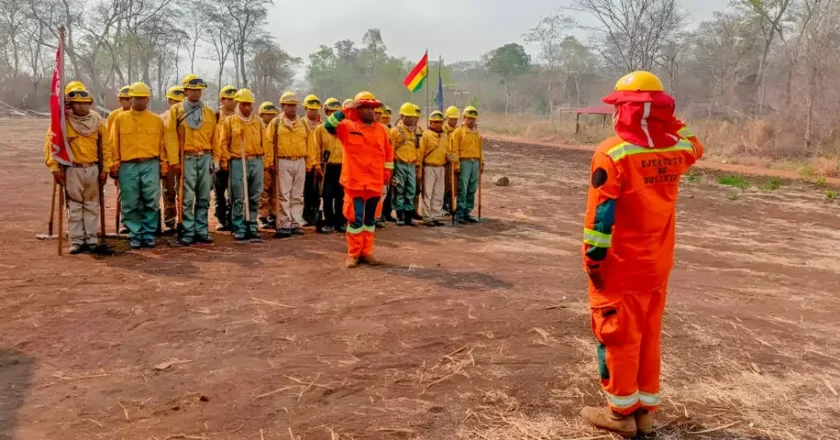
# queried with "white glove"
point(450, 157)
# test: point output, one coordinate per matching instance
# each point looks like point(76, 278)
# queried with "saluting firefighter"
point(453, 115)
point(169, 182)
point(469, 161)
point(367, 169)
point(242, 139)
point(192, 130)
point(137, 138)
point(628, 247)
point(311, 194)
point(325, 145)
point(227, 108)
point(87, 137)
point(288, 135)
point(435, 152)
point(268, 111)
point(406, 145)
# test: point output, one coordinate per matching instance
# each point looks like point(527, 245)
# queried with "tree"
point(632, 33)
point(272, 68)
point(508, 62)
point(375, 50)
point(549, 34)
point(770, 13)
point(248, 16)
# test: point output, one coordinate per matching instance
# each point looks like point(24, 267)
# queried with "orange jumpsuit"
point(367, 168)
point(629, 247)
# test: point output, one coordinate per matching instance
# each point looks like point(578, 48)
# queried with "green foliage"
point(734, 181)
point(831, 194)
point(822, 182)
point(508, 62)
point(772, 184)
point(693, 176)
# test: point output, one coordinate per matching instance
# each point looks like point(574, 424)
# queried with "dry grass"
point(755, 143)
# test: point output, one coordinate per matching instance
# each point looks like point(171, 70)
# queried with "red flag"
point(60, 150)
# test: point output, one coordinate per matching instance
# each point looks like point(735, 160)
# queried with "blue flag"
point(439, 96)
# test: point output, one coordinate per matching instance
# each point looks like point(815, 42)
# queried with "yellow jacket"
point(406, 144)
point(113, 116)
point(434, 148)
point(181, 135)
point(83, 148)
point(466, 144)
point(290, 142)
point(139, 135)
point(448, 130)
point(232, 132)
point(321, 140)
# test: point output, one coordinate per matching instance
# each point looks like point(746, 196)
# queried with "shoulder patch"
point(599, 178)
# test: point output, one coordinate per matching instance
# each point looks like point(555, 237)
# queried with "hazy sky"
point(455, 29)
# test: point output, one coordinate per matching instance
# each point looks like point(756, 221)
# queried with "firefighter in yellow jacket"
point(125, 104)
point(138, 146)
point(407, 159)
point(469, 161)
point(192, 129)
point(311, 194)
point(268, 111)
point(242, 141)
point(326, 149)
point(88, 139)
point(169, 182)
point(288, 135)
point(435, 152)
point(227, 108)
point(453, 115)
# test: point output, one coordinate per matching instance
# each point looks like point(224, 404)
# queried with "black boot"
point(400, 219)
point(407, 217)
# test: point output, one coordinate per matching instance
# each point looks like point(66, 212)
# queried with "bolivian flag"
point(414, 81)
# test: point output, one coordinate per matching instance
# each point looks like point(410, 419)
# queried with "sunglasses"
point(229, 92)
point(178, 93)
point(269, 108)
point(124, 91)
point(471, 113)
point(387, 112)
point(197, 82)
point(78, 94)
point(313, 102)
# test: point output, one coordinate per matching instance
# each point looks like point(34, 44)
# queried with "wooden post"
point(52, 206)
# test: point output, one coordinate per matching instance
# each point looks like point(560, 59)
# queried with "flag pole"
point(61, 201)
point(427, 87)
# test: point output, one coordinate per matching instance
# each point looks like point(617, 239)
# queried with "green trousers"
point(467, 186)
point(197, 179)
point(254, 175)
point(140, 197)
point(406, 187)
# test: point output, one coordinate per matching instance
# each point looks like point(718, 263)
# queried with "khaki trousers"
point(292, 179)
point(83, 204)
point(434, 186)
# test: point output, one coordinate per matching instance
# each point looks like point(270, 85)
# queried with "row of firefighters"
point(629, 231)
point(291, 164)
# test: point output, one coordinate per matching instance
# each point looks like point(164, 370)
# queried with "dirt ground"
point(477, 332)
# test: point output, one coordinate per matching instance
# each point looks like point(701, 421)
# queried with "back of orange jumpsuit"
point(367, 168)
point(629, 237)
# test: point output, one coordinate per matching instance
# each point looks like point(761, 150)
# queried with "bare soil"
point(477, 332)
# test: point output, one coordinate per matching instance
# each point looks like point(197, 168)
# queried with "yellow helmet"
point(387, 111)
point(639, 81)
point(379, 110)
point(471, 112)
point(78, 94)
point(332, 104)
point(417, 110)
point(269, 108)
point(123, 93)
point(72, 85)
point(228, 92)
point(244, 95)
point(347, 103)
point(176, 93)
point(436, 116)
point(288, 98)
point(312, 102)
point(193, 82)
point(408, 109)
point(453, 113)
point(366, 99)
point(139, 90)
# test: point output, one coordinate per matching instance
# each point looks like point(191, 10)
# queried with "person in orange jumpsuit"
point(367, 168)
point(628, 248)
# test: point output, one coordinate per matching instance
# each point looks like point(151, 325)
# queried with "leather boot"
point(644, 421)
point(400, 219)
point(351, 262)
point(606, 419)
point(370, 259)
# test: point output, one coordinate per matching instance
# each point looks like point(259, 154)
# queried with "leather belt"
point(291, 157)
point(83, 165)
point(145, 159)
point(195, 153)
